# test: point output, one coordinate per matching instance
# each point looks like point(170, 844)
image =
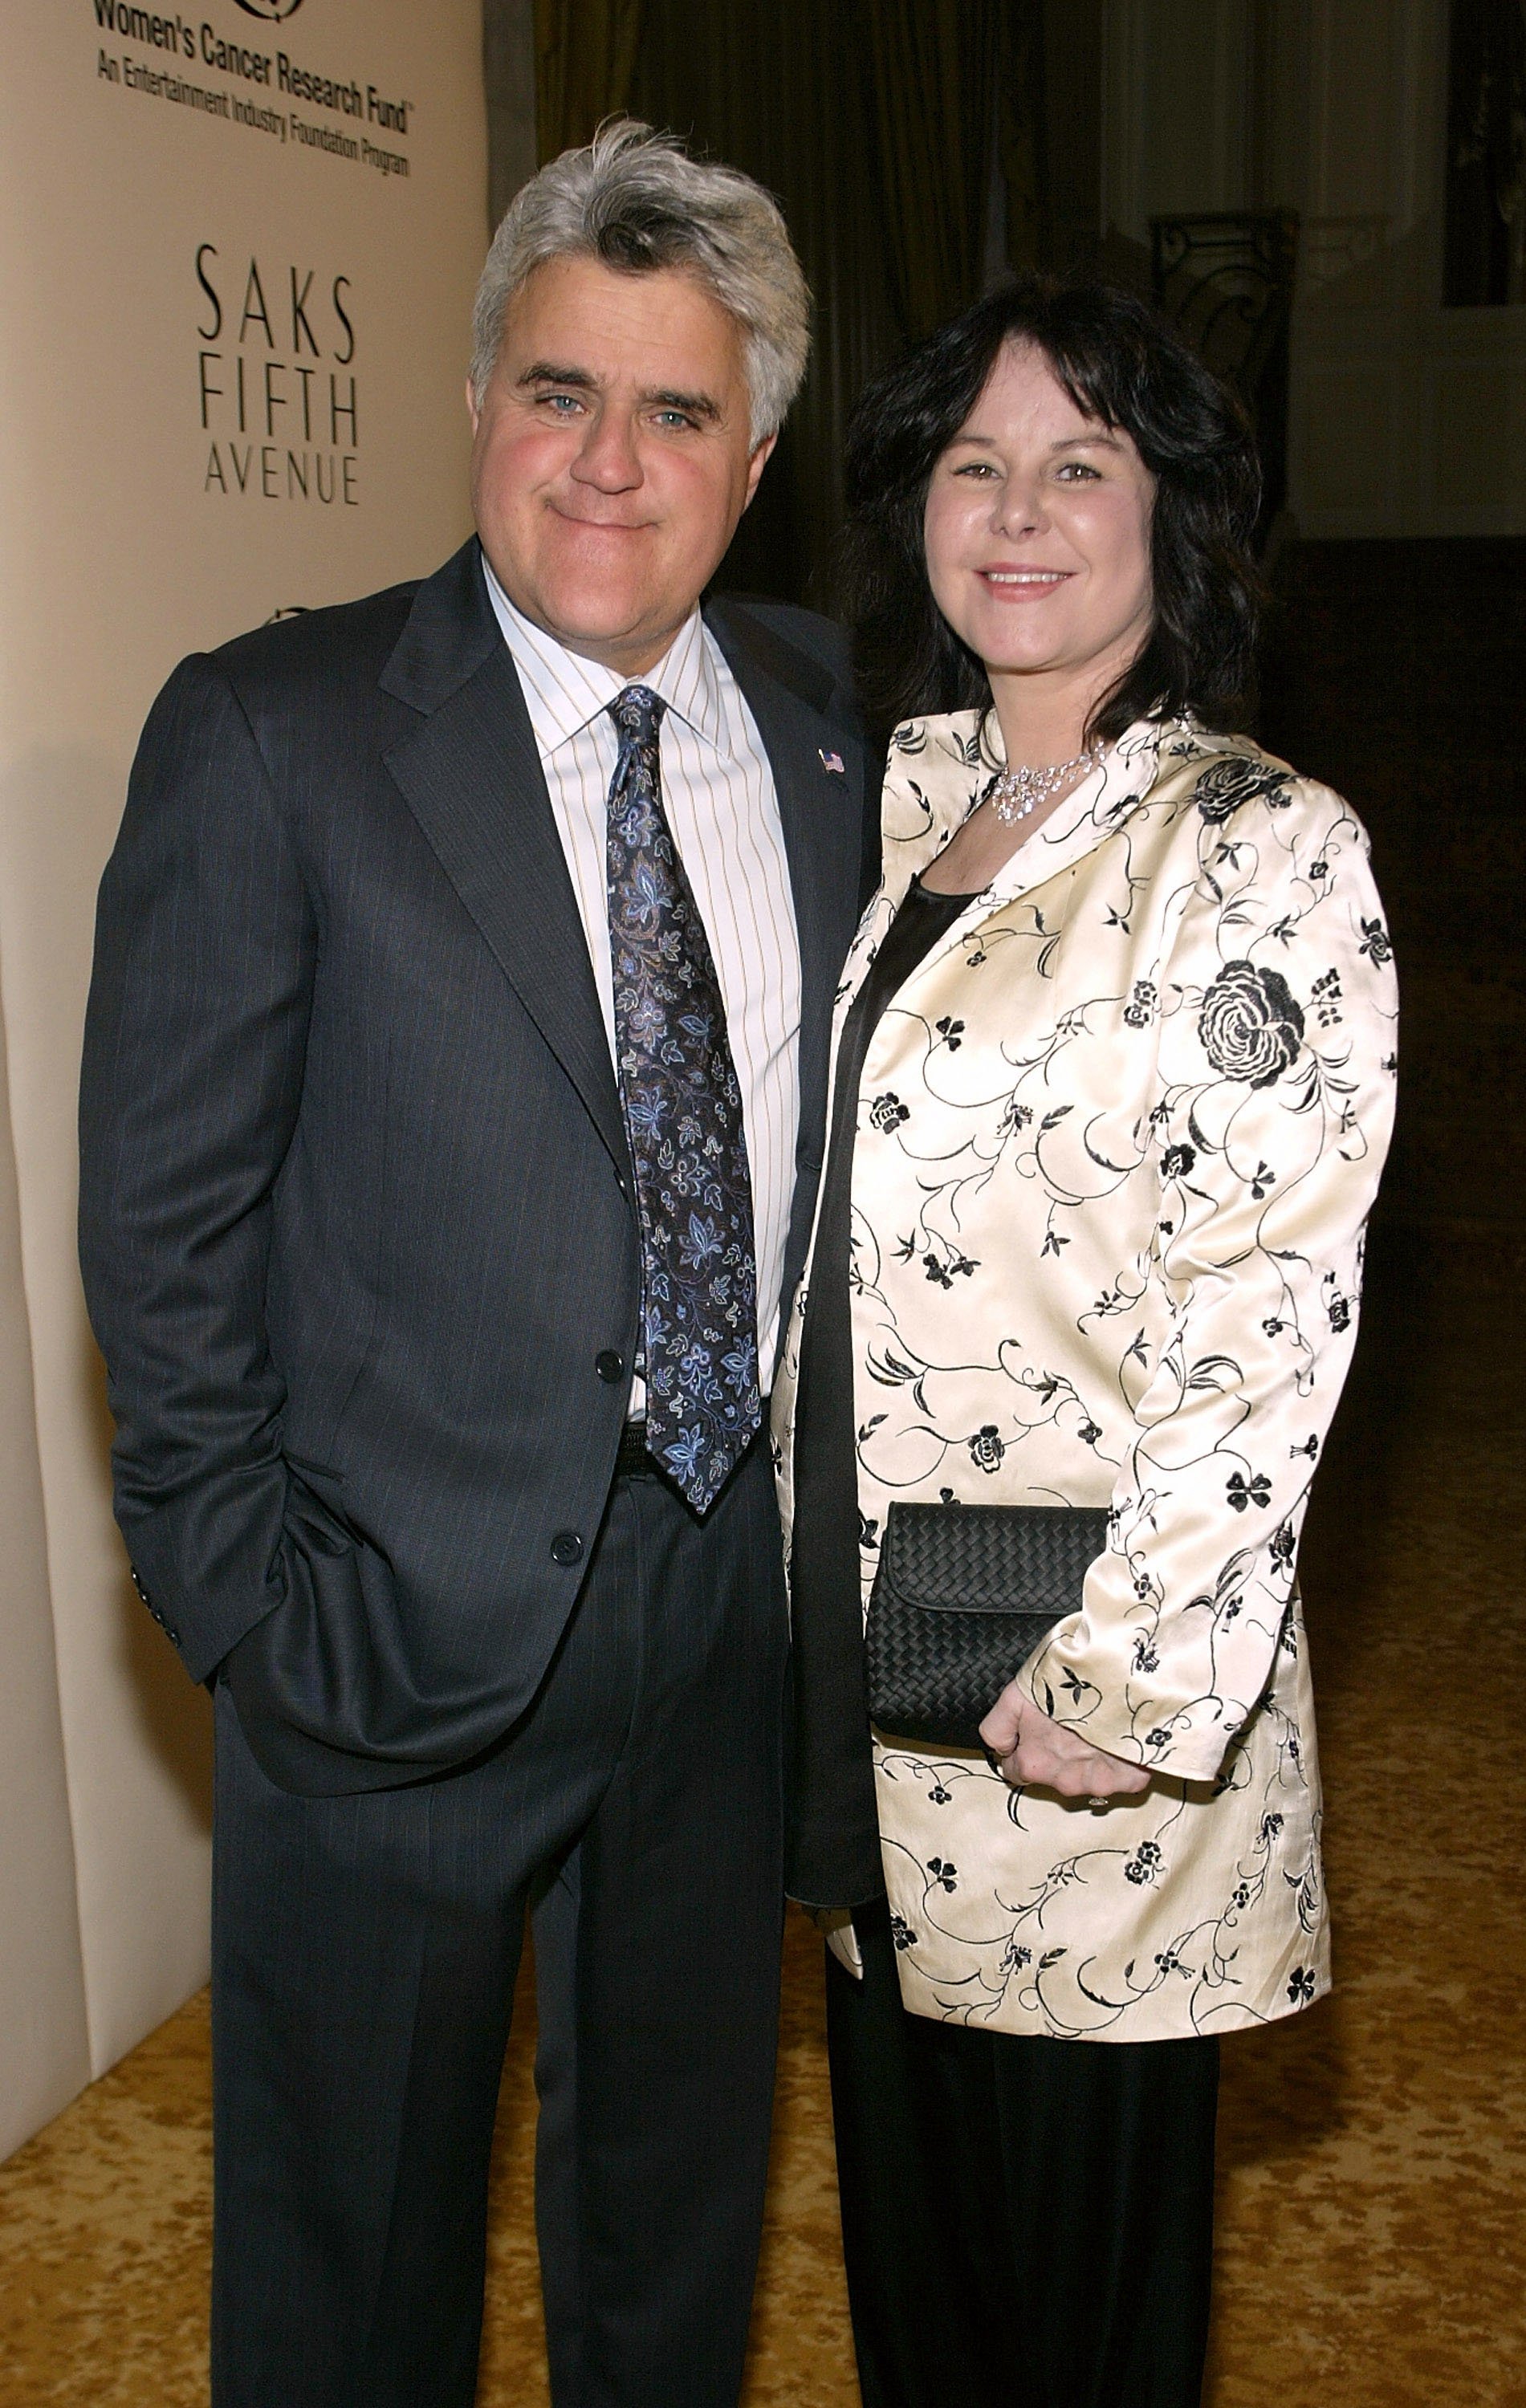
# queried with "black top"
point(833, 1846)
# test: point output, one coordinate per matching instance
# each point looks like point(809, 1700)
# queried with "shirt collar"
point(563, 692)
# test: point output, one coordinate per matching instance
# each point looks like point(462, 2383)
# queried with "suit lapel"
point(820, 811)
point(471, 775)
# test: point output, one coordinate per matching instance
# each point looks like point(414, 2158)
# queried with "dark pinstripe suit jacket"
point(354, 1217)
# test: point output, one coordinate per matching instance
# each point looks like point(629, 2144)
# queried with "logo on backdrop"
point(276, 380)
point(273, 11)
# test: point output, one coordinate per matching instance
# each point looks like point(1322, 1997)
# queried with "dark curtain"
point(934, 106)
point(585, 52)
point(1022, 147)
point(1486, 154)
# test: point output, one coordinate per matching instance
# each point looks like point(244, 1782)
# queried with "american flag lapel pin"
point(832, 762)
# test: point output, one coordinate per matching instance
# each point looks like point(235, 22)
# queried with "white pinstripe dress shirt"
point(719, 793)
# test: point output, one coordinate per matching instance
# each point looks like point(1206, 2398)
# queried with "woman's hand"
point(1034, 1752)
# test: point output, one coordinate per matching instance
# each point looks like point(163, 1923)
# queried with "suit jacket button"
point(567, 1547)
point(609, 1366)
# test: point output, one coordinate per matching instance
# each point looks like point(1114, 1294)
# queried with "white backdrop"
point(236, 254)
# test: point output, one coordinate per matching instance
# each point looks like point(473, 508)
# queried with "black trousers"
point(363, 1963)
point(1024, 2220)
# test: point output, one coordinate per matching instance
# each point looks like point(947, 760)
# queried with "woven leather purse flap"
point(1028, 1559)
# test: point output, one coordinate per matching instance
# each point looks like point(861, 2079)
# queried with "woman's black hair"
point(1120, 362)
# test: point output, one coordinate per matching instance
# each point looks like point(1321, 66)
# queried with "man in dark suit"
point(454, 1090)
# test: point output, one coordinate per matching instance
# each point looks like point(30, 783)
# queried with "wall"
point(1407, 419)
point(150, 242)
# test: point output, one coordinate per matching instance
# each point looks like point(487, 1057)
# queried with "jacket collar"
point(448, 633)
point(941, 768)
point(937, 774)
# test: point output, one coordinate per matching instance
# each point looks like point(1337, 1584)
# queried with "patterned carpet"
point(1373, 2234)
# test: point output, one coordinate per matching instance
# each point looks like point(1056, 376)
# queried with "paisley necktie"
point(682, 1110)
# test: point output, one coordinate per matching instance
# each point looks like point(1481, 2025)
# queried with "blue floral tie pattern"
point(682, 1110)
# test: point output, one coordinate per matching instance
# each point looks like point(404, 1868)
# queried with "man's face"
point(612, 455)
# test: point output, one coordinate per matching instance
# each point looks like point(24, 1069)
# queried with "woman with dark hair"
point(1114, 1085)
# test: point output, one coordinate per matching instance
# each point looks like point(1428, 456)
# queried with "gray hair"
point(637, 201)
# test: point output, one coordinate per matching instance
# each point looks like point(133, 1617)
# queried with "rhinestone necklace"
point(1014, 793)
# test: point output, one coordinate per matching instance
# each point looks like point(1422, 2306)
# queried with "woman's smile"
point(1024, 585)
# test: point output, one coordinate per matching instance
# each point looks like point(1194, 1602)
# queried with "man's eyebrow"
point(697, 404)
point(547, 372)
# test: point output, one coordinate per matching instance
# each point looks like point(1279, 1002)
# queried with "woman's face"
point(1037, 529)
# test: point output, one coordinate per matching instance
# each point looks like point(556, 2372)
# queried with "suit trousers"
point(1024, 2219)
point(364, 1951)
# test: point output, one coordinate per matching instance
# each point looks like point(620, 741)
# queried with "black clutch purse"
point(961, 1597)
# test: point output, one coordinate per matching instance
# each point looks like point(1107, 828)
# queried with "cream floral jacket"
point(1116, 1142)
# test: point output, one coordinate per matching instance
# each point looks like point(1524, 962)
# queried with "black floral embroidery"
point(1226, 784)
point(1251, 1025)
point(945, 1272)
point(1140, 1010)
point(1178, 1160)
point(1375, 941)
point(1281, 1545)
point(939, 1794)
point(901, 1932)
point(1326, 996)
point(952, 1033)
point(1242, 1491)
point(1301, 1985)
point(886, 1112)
point(945, 1876)
point(985, 1449)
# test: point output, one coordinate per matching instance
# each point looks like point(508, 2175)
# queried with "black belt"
point(633, 1456)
